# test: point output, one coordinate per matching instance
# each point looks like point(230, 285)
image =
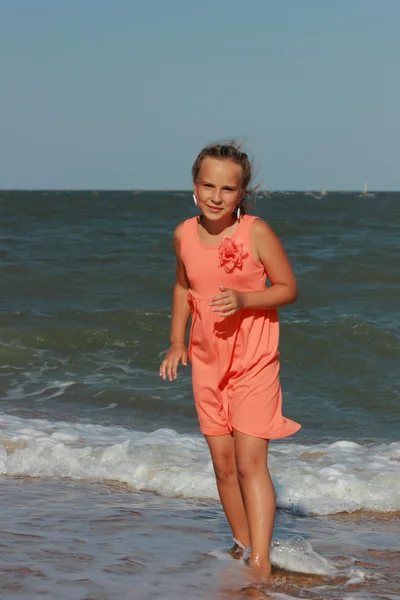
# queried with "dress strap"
point(188, 234)
point(244, 232)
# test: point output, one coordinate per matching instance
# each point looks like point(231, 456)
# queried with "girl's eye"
point(229, 189)
point(207, 185)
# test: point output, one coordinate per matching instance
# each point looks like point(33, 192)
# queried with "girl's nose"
point(216, 197)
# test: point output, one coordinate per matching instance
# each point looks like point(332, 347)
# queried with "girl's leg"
point(258, 495)
point(223, 457)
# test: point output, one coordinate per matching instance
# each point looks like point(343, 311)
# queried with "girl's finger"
point(224, 311)
point(228, 308)
point(228, 313)
point(223, 301)
point(175, 370)
point(169, 366)
point(162, 369)
point(219, 297)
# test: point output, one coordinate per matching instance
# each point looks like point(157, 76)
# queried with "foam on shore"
point(317, 479)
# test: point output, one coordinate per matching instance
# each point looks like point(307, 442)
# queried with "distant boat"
point(365, 193)
point(316, 195)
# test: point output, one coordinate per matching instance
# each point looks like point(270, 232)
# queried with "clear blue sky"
point(122, 94)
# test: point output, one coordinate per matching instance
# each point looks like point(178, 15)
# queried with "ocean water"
point(107, 486)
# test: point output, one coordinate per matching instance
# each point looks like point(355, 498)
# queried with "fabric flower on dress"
point(231, 254)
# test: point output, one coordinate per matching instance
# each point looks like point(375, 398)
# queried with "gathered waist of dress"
point(203, 298)
point(195, 296)
point(201, 305)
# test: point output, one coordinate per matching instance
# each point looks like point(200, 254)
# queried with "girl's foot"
point(260, 570)
point(237, 549)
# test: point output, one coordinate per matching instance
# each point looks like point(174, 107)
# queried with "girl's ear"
point(195, 194)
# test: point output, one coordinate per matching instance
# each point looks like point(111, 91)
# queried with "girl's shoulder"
point(183, 233)
point(258, 227)
point(183, 226)
point(263, 239)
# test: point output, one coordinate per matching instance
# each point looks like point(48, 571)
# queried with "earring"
point(195, 200)
point(238, 213)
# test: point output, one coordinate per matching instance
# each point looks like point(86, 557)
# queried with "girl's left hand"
point(227, 303)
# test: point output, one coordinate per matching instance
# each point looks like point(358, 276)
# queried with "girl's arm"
point(180, 316)
point(180, 306)
point(268, 249)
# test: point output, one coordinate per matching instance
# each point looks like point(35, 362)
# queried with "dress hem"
point(277, 435)
point(264, 436)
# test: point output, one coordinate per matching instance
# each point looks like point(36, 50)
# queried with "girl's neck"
point(217, 227)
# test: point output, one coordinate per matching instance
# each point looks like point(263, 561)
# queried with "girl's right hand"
point(169, 366)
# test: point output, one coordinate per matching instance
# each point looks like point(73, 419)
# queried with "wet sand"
point(80, 539)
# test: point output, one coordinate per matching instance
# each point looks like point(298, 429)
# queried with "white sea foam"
point(320, 479)
point(297, 555)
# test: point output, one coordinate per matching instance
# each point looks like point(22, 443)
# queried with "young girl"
point(223, 259)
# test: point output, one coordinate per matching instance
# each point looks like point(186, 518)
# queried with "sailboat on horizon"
point(316, 195)
point(365, 193)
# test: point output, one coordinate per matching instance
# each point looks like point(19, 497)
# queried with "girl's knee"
point(224, 468)
point(250, 466)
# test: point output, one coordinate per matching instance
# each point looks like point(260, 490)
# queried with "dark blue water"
point(86, 296)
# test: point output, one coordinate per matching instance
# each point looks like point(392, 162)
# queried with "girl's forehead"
point(215, 167)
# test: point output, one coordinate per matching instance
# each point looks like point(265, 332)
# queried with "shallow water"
point(102, 541)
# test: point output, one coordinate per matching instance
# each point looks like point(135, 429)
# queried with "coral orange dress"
point(235, 359)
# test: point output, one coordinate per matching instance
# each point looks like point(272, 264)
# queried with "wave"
point(77, 331)
point(319, 479)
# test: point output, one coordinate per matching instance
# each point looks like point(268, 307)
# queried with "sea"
point(107, 489)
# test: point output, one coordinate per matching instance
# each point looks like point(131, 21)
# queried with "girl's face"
point(218, 188)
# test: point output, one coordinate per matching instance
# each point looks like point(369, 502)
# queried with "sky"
point(123, 94)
